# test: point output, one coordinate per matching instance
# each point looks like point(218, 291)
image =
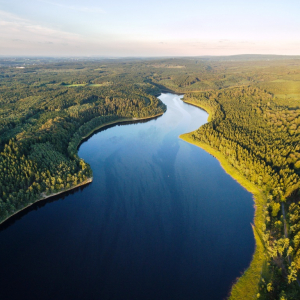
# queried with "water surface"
point(161, 220)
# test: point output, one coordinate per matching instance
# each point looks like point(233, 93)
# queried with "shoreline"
point(88, 180)
point(45, 197)
point(246, 286)
point(210, 113)
point(115, 122)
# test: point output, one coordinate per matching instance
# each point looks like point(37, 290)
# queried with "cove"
point(161, 220)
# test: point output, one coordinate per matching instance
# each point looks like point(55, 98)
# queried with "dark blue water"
point(161, 220)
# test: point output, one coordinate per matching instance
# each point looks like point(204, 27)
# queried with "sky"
point(132, 28)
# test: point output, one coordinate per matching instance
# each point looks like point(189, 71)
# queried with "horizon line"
point(128, 56)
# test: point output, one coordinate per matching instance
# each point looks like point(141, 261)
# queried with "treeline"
point(260, 139)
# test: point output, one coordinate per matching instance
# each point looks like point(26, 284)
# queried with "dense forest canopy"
point(45, 112)
point(48, 105)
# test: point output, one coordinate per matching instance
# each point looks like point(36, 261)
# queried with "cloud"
point(24, 37)
point(20, 36)
point(14, 28)
point(18, 40)
point(7, 15)
point(84, 9)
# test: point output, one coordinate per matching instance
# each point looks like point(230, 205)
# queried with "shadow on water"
point(38, 205)
point(122, 123)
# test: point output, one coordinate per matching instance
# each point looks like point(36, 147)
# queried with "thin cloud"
point(10, 16)
point(21, 36)
point(77, 8)
point(16, 28)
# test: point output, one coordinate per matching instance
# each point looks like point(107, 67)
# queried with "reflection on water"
point(37, 205)
point(161, 220)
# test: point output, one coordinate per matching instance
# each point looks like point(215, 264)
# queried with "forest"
point(255, 128)
point(47, 106)
point(45, 112)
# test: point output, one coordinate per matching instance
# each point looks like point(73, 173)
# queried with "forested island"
point(49, 105)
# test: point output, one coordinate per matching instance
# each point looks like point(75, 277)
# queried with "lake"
point(161, 220)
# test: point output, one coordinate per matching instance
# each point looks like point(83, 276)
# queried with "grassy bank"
point(207, 109)
point(246, 287)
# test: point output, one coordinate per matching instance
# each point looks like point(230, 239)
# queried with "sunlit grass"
point(246, 287)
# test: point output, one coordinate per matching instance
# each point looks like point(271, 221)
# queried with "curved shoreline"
point(210, 114)
point(246, 286)
point(45, 197)
point(116, 122)
point(88, 180)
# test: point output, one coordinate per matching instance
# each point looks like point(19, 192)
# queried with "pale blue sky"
point(152, 28)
